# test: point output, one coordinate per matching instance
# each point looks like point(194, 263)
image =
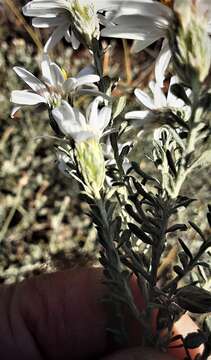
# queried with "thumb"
point(138, 354)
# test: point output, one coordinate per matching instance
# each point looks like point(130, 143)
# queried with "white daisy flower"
point(76, 20)
point(157, 104)
point(73, 123)
point(54, 87)
point(147, 21)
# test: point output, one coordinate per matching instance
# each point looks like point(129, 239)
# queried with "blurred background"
point(43, 225)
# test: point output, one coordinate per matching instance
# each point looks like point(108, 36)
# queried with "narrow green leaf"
point(197, 229)
point(140, 233)
point(185, 248)
point(179, 91)
point(181, 227)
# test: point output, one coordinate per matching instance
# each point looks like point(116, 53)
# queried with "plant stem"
point(98, 56)
point(120, 291)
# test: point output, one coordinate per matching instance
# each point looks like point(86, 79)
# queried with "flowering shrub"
point(133, 211)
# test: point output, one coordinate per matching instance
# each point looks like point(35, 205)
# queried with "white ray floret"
point(73, 123)
point(157, 103)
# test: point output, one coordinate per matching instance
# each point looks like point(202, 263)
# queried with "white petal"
point(75, 41)
point(24, 97)
point(46, 71)
point(68, 36)
point(14, 111)
point(140, 45)
point(145, 8)
point(162, 63)
point(88, 70)
point(34, 83)
point(137, 114)
point(105, 5)
point(144, 99)
point(39, 8)
point(92, 112)
point(47, 22)
point(135, 33)
point(104, 118)
point(44, 13)
point(69, 85)
point(159, 97)
point(87, 79)
point(83, 135)
point(80, 118)
point(57, 75)
point(67, 119)
point(56, 36)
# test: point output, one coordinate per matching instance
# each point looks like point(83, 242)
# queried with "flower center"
point(84, 21)
point(83, 11)
point(54, 96)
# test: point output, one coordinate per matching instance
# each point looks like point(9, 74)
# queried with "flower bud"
point(85, 22)
point(91, 163)
point(189, 42)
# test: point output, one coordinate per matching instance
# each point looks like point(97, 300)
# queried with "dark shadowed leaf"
point(209, 218)
point(171, 163)
point(133, 214)
point(197, 229)
point(184, 259)
point(194, 299)
point(181, 227)
point(185, 248)
point(178, 270)
point(140, 233)
point(179, 91)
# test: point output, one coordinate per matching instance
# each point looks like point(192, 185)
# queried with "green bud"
point(85, 22)
point(91, 162)
point(190, 43)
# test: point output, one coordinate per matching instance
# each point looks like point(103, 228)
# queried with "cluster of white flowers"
point(54, 87)
point(132, 217)
point(79, 21)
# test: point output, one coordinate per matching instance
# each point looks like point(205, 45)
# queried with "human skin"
point(60, 316)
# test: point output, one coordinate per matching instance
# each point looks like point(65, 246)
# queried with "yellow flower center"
point(64, 73)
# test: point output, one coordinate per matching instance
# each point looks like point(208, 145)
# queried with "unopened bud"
point(91, 162)
point(190, 43)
